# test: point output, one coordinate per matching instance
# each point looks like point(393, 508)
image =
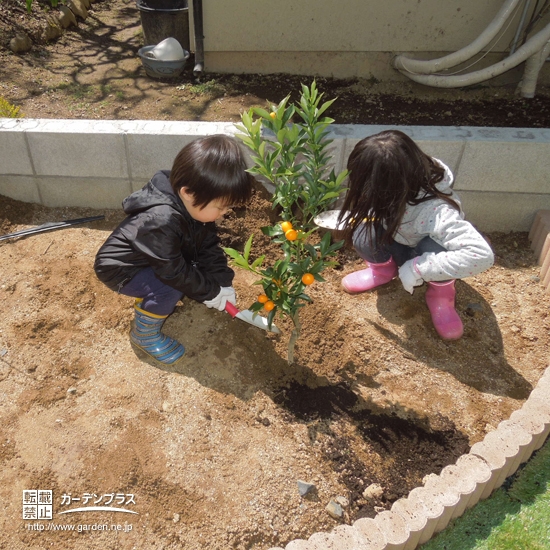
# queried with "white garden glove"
point(226, 294)
point(409, 276)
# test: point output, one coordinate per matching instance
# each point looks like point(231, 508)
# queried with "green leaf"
point(281, 134)
point(325, 106)
point(310, 250)
point(272, 230)
point(232, 253)
point(247, 247)
point(331, 195)
point(261, 112)
point(341, 177)
point(242, 263)
point(246, 117)
point(246, 140)
point(261, 153)
point(257, 262)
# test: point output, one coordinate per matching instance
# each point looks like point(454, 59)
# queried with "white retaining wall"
point(502, 174)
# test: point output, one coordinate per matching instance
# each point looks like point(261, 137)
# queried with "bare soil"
point(212, 448)
point(93, 71)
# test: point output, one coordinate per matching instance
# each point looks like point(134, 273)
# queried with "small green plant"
point(7, 110)
point(211, 87)
point(30, 3)
point(294, 157)
point(296, 160)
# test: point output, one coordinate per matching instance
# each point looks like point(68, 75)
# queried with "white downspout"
point(531, 71)
point(530, 48)
point(418, 66)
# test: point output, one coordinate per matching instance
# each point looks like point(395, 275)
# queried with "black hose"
point(49, 226)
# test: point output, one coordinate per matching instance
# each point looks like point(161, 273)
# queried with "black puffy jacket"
point(159, 233)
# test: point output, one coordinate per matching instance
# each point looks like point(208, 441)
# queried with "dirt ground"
point(208, 453)
point(212, 448)
point(93, 71)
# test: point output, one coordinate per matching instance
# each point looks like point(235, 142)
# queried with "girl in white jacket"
point(403, 218)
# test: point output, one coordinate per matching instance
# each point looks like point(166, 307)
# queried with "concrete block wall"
point(501, 174)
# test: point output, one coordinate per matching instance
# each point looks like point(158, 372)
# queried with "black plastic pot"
point(162, 19)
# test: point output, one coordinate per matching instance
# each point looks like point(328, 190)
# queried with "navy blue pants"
point(158, 298)
point(371, 251)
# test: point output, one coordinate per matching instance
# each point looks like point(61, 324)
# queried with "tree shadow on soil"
point(478, 359)
point(106, 68)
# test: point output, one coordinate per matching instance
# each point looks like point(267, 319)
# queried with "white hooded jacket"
point(467, 252)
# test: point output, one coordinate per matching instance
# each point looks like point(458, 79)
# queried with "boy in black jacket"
point(167, 247)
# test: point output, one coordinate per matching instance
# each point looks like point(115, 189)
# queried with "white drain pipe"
point(417, 66)
point(531, 72)
point(532, 47)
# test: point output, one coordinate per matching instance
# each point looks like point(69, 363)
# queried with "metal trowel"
point(250, 317)
point(329, 220)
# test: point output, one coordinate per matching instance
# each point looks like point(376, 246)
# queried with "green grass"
point(75, 90)
point(212, 87)
point(515, 517)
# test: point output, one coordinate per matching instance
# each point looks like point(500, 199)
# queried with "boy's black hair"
point(211, 168)
point(387, 172)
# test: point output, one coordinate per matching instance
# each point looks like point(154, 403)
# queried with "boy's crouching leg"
point(146, 335)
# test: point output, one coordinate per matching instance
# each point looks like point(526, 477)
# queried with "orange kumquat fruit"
point(286, 226)
point(291, 234)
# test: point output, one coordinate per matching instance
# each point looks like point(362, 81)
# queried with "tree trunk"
point(293, 337)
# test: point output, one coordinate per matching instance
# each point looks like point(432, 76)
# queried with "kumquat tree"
point(294, 157)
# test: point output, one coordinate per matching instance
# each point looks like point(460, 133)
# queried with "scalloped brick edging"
point(428, 509)
point(56, 21)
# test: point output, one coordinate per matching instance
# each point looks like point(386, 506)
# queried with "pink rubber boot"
point(367, 279)
point(440, 298)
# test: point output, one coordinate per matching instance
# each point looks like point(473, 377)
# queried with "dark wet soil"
point(397, 441)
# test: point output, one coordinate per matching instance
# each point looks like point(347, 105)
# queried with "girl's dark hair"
point(387, 172)
point(212, 168)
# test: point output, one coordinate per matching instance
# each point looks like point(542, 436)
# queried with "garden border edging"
point(96, 163)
